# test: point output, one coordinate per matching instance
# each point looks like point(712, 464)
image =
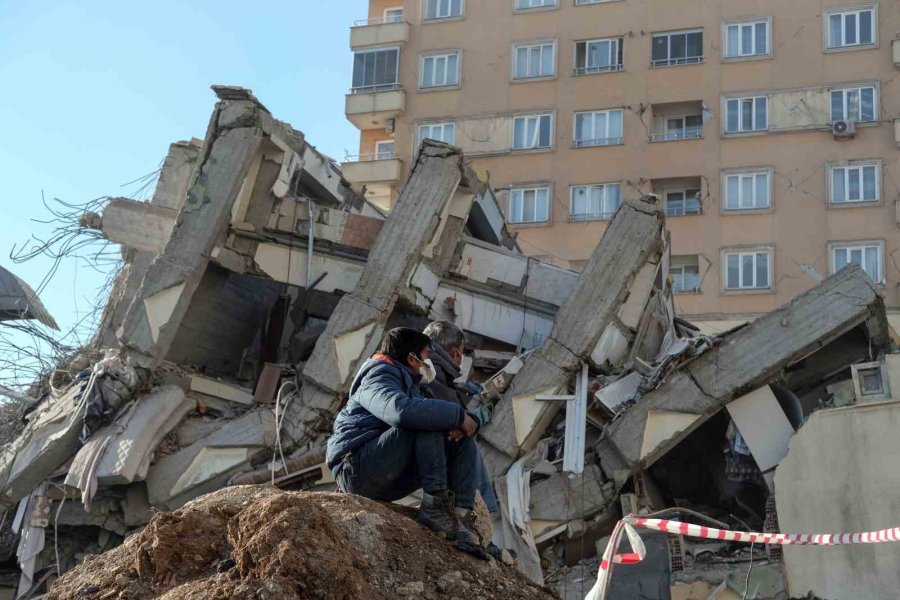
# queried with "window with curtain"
point(747, 114)
point(595, 202)
point(443, 9)
point(441, 132)
point(531, 132)
point(747, 270)
point(854, 104)
point(854, 183)
point(440, 70)
point(534, 60)
point(747, 39)
point(849, 28)
point(747, 191)
point(867, 255)
point(599, 56)
point(598, 128)
point(529, 205)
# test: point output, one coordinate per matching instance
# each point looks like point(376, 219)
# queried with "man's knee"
point(467, 450)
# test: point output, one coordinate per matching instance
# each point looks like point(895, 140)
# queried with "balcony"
point(375, 32)
point(680, 196)
point(375, 171)
point(676, 121)
point(371, 107)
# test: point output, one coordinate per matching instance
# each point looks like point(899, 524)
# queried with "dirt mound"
point(260, 543)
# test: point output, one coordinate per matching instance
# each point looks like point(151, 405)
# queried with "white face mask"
point(428, 371)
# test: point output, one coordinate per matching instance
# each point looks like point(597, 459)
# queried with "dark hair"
point(401, 342)
point(445, 334)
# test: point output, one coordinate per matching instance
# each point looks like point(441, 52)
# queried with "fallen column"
point(425, 226)
point(744, 361)
point(626, 254)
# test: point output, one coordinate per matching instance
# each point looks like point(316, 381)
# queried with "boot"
point(436, 513)
point(466, 539)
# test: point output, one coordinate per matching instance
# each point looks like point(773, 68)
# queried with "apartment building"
point(768, 130)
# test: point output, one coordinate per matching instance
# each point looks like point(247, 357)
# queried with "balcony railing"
point(688, 133)
point(601, 216)
point(379, 21)
point(617, 141)
point(369, 157)
point(671, 62)
point(371, 89)
point(600, 69)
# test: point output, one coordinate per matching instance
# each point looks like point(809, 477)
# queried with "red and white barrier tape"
point(628, 525)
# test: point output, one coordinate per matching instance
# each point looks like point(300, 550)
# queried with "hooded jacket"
point(386, 394)
point(443, 386)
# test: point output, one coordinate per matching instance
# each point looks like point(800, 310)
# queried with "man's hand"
point(455, 435)
point(469, 426)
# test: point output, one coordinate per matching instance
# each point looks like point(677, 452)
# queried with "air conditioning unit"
point(843, 129)
point(389, 125)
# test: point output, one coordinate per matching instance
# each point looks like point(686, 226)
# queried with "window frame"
point(684, 198)
point(700, 59)
point(768, 250)
point(855, 164)
point(440, 54)
point(586, 70)
point(846, 9)
point(514, 60)
point(843, 89)
point(576, 143)
point(518, 9)
point(426, 19)
point(848, 245)
point(378, 152)
point(537, 115)
point(747, 172)
point(388, 19)
point(522, 188)
point(590, 2)
point(672, 268)
point(387, 87)
point(740, 99)
point(443, 124)
point(601, 216)
point(767, 19)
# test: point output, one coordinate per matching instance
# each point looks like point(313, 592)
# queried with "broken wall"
point(840, 475)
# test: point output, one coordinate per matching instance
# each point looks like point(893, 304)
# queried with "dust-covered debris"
point(288, 545)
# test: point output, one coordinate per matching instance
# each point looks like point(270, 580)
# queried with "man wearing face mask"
point(448, 345)
point(390, 440)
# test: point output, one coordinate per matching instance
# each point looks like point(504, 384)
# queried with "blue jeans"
point(399, 462)
point(484, 485)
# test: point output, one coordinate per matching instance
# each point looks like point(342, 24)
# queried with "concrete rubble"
point(257, 279)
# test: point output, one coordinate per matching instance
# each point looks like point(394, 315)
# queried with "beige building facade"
point(768, 130)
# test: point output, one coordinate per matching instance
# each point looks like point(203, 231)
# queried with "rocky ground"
point(256, 542)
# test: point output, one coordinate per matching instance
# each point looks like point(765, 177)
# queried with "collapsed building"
point(257, 279)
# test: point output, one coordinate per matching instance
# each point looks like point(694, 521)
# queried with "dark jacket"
point(386, 394)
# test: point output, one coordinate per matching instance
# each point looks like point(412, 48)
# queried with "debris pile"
point(257, 280)
point(259, 542)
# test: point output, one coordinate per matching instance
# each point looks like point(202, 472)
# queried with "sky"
point(95, 91)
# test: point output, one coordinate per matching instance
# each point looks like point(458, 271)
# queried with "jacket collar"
point(383, 358)
point(443, 362)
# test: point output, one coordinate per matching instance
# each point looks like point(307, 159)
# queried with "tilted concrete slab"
point(746, 360)
point(633, 239)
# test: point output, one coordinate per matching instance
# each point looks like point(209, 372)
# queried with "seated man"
point(448, 345)
point(390, 440)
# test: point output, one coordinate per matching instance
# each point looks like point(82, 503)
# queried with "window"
point(683, 202)
point(443, 9)
point(595, 202)
point(747, 191)
point(532, 131)
point(384, 150)
point(526, 4)
point(747, 39)
point(393, 15)
point(854, 183)
point(529, 205)
point(747, 270)
point(534, 60)
point(677, 48)
point(439, 70)
point(688, 127)
point(376, 70)
point(868, 255)
point(685, 272)
point(850, 28)
point(442, 132)
point(870, 381)
point(599, 128)
point(853, 104)
point(598, 56)
point(747, 114)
